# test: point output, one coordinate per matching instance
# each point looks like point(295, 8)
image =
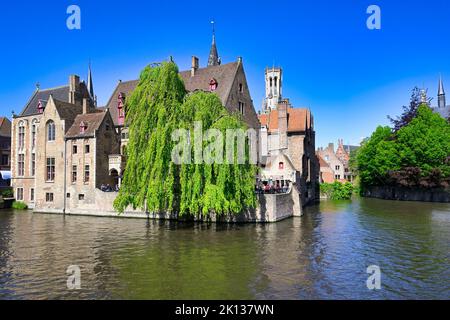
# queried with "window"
point(33, 136)
point(87, 148)
point(32, 194)
point(107, 126)
point(5, 160)
point(51, 131)
point(74, 149)
point(49, 197)
point(40, 107)
point(281, 165)
point(241, 88)
point(121, 108)
point(33, 164)
point(86, 173)
point(241, 108)
point(21, 168)
point(338, 167)
point(213, 85)
point(19, 195)
point(21, 136)
point(68, 195)
point(50, 169)
point(337, 177)
point(74, 174)
point(83, 127)
point(81, 197)
point(125, 136)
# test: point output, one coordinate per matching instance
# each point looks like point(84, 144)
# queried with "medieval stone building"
point(60, 147)
point(65, 148)
point(288, 142)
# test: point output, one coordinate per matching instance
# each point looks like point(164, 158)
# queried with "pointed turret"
point(214, 59)
point(90, 84)
point(441, 94)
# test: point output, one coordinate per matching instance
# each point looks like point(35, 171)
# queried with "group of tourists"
point(108, 188)
point(272, 187)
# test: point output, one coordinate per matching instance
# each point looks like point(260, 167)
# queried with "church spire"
point(90, 84)
point(441, 94)
point(214, 59)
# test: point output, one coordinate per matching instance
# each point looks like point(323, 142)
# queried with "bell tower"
point(274, 87)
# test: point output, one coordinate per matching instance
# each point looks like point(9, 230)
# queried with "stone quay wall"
point(408, 194)
point(272, 208)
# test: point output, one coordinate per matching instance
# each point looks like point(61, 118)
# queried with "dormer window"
point(121, 108)
point(213, 85)
point(83, 127)
point(40, 107)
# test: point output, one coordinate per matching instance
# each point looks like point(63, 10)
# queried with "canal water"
point(323, 255)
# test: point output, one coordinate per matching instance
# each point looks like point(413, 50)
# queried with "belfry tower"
point(274, 87)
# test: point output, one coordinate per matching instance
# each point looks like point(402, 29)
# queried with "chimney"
point(74, 90)
point(194, 67)
point(331, 147)
point(283, 123)
point(85, 106)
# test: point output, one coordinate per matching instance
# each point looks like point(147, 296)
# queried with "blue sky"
point(350, 77)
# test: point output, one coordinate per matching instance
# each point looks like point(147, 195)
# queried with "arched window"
point(281, 165)
point(33, 133)
point(51, 131)
point(21, 135)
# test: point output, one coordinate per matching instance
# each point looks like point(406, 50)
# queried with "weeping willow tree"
point(158, 107)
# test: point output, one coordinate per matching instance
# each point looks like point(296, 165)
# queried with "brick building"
point(288, 133)
point(5, 144)
point(65, 148)
point(334, 164)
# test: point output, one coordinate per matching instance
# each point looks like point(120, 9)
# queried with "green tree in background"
point(157, 108)
point(425, 142)
point(414, 155)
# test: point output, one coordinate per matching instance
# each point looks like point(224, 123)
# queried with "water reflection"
point(323, 255)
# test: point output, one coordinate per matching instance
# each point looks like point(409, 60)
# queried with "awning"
point(6, 175)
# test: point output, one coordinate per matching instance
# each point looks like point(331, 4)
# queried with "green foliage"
point(157, 107)
point(18, 205)
point(337, 190)
point(8, 193)
point(424, 144)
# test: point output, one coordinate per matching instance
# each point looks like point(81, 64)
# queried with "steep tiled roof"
point(223, 74)
point(322, 162)
point(67, 111)
point(125, 87)
point(31, 108)
point(5, 127)
point(93, 122)
point(299, 120)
